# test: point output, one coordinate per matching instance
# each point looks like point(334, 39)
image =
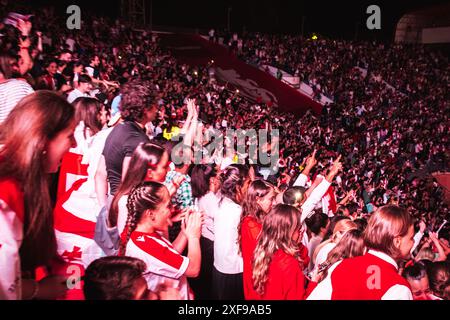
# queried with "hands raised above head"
point(335, 168)
point(311, 161)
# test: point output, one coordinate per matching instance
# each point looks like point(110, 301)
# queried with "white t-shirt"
point(74, 94)
point(323, 253)
point(122, 213)
point(209, 204)
point(227, 258)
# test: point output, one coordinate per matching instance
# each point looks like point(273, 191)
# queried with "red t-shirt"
point(250, 231)
point(286, 280)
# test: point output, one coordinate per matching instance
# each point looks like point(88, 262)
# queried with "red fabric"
point(285, 279)
point(330, 197)
point(351, 278)
point(12, 194)
point(49, 82)
point(288, 98)
point(250, 231)
point(71, 271)
point(65, 221)
point(304, 254)
point(157, 250)
point(71, 163)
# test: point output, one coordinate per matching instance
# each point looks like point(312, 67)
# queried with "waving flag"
point(13, 18)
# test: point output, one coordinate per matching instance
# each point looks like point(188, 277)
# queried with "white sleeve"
point(305, 240)
point(398, 292)
point(417, 237)
point(322, 256)
point(301, 181)
point(314, 198)
point(324, 288)
point(10, 241)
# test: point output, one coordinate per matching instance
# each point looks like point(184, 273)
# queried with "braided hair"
point(146, 196)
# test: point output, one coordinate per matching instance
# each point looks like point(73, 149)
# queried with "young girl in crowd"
point(228, 266)
point(257, 203)
point(91, 117)
point(149, 216)
point(149, 162)
point(340, 229)
point(205, 185)
point(277, 265)
point(75, 212)
point(373, 276)
point(33, 139)
point(351, 245)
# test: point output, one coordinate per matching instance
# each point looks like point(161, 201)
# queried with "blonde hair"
point(351, 245)
point(425, 254)
point(341, 228)
point(278, 227)
point(384, 225)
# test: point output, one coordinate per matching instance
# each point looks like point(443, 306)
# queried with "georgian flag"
point(329, 203)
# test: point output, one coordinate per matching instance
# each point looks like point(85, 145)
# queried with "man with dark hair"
point(92, 68)
point(318, 225)
point(116, 278)
point(84, 87)
point(350, 210)
point(122, 278)
point(137, 107)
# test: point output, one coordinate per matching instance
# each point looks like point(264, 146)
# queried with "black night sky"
point(337, 19)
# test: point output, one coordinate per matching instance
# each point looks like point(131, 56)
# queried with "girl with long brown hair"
point(277, 264)
point(90, 116)
point(149, 162)
point(33, 139)
point(77, 208)
point(257, 203)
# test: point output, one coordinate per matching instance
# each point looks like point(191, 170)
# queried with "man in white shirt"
point(84, 87)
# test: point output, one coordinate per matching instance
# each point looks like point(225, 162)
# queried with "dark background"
point(336, 19)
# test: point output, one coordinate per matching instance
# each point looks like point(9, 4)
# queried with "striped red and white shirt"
point(164, 263)
point(11, 92)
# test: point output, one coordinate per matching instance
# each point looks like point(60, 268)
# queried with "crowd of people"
point(107, 106)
